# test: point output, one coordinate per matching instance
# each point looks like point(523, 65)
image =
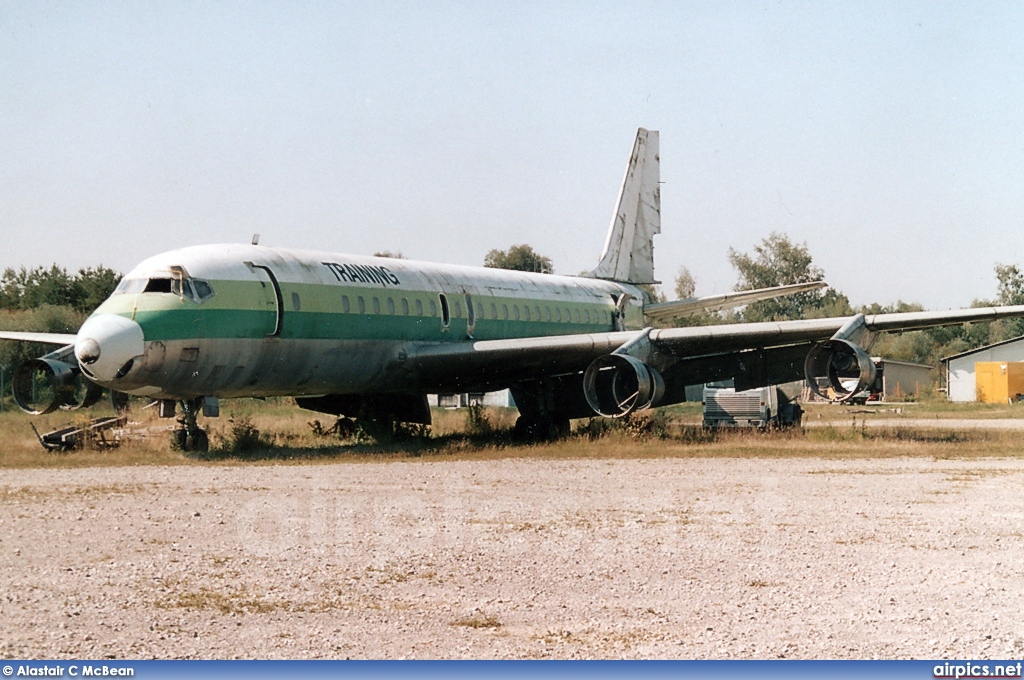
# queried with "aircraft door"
point(271, 297)
point(470, 316)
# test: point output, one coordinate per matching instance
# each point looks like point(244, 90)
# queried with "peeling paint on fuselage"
point(345, 319)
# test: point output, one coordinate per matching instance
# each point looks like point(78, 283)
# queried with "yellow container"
point(999, 382)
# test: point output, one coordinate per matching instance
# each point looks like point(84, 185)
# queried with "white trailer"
point(763, 407)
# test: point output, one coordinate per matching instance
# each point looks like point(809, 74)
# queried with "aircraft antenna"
point(255, 239)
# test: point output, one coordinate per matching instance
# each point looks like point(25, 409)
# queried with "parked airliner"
point(370, 337)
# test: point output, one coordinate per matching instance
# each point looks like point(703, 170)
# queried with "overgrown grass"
point(275, 432)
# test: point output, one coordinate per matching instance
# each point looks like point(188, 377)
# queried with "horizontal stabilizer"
point(45, 338)
point(666, 311)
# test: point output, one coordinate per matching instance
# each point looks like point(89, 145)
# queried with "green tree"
point(1010, 284)
point(32, 288)
point(96, 285)
point(777, 261)
point(1010, 287)
point(521, 258)
point(686, 286)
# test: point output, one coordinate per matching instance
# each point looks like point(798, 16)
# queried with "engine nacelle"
point(616, 385)
point(848, 369)
point(44, 385)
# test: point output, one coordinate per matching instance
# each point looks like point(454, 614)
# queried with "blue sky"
point(887, 136)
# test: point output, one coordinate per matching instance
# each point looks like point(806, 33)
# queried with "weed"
point(477, 422)
point(640, 426)
point(343, 428)
point(478, 621)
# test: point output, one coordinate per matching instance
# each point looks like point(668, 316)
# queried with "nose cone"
point(107, 345)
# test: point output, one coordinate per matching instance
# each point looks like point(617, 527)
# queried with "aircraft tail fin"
point(628, 255)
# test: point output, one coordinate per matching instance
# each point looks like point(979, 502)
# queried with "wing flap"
point(494, 363)
point(667, 311)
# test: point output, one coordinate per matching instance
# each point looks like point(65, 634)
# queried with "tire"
point(200, 441)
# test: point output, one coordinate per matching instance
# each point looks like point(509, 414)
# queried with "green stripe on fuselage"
point(245, 309)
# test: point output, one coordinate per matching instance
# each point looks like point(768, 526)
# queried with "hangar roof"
point(982, 349)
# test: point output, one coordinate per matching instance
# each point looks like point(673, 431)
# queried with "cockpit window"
point(158, 286)
point(130, 286)
point(203, 290)
point(196, 290)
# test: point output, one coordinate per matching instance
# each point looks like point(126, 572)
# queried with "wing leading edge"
point(44, 338)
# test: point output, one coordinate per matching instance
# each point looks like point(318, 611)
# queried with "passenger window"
point(494, 311)
point(567, 315)
point(376, 306)
point(558, 315)
point(419, 307)
point(362, 304)
point(433, 308)
point(345, 307)
point(504, 312)
point(536, 312)
point(479, 310)
point(586, 315)
point(296, 303)
point(577, 316)
point(391, 306)
point(547, 314)
point(405, 307)
point(515, 312)
point(526, 312)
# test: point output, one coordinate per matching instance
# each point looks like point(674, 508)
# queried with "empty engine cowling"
point(848, 369)
point(617, 385)
point(44, 385)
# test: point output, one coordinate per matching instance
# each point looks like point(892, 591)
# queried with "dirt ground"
point(672, 558)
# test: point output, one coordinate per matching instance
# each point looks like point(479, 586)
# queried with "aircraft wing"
point(697, 354)
point(667, 311)
point(44, 338)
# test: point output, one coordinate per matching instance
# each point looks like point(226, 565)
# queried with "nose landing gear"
point(190, 437)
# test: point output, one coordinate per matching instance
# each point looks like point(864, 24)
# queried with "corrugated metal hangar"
point(961, 372)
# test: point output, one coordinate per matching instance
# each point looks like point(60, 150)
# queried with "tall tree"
point(521, 258)
point(95, 285)
point(1011, 292)
point(32, 288)
point(777, 261)
point(686, 286)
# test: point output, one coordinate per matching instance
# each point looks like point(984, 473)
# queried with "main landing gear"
point(544, 407)
point(544, 428)
point(189, 436)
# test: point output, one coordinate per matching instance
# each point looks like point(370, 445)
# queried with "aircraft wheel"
point(180, 439)
point(119, 400)
point(197, 441)
point(525, 429)
point(548, 429)
point(558, 428)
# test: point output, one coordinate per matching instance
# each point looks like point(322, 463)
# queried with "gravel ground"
point(719, 558)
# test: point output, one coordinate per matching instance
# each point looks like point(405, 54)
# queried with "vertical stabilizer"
point(629, 251)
